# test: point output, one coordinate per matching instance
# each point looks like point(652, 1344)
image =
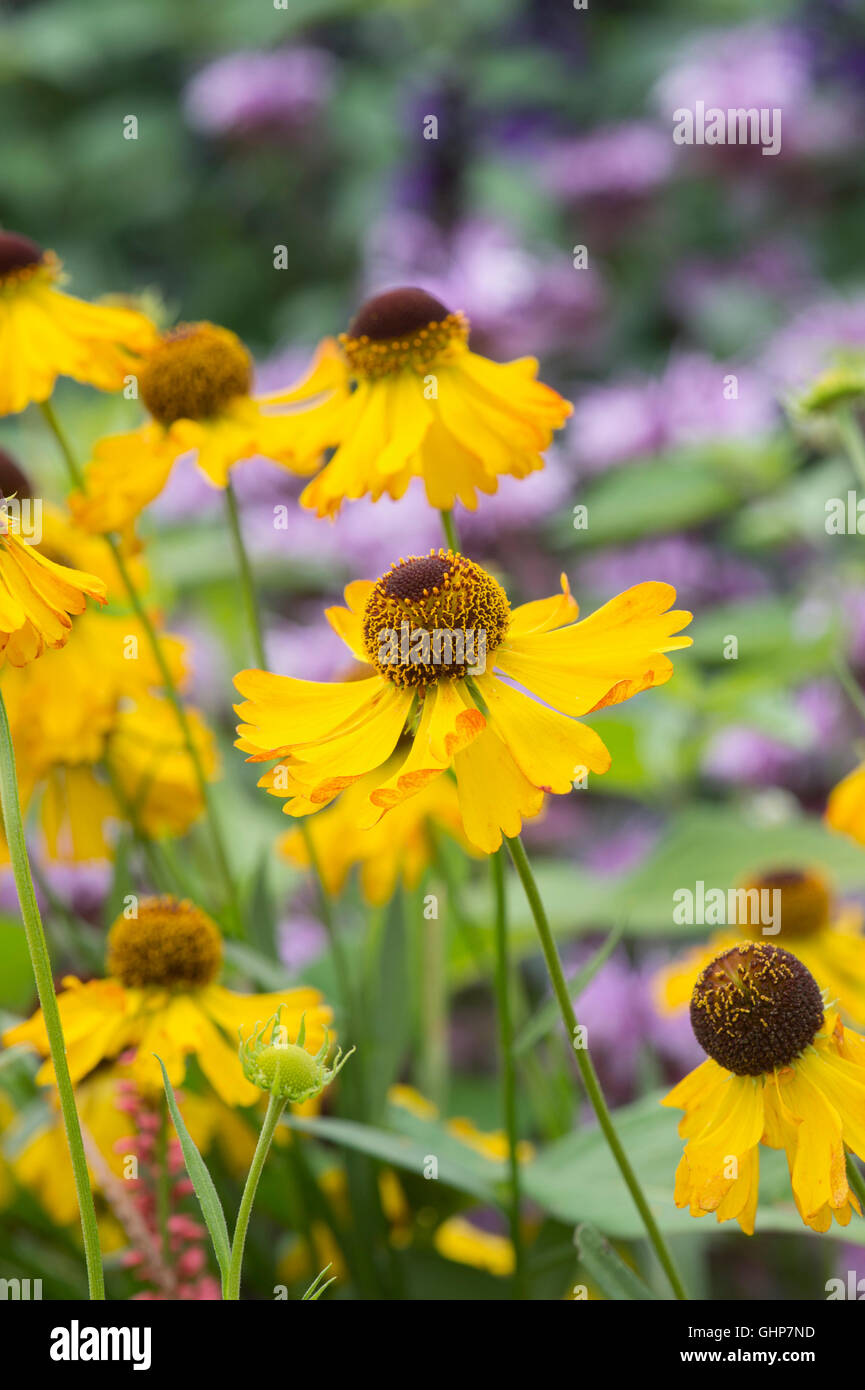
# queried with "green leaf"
point(205, 1191)
point(410, 1154)
point(607, 1269)
point(318, 1286)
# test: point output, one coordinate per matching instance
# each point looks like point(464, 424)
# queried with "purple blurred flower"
point(743, 755)
point(617, 161)
point(266, 93)
point(628, 419)
point(520, 300)
point(757, 66)
point(700, 573)
point(302, 939)
point(813, 337)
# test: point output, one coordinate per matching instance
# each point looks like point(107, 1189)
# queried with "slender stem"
point(163, 1181)
point(450, 530)
point(247, 582)
point(509, 1075)
point(856, 1181)
point(275, 1107)
point(41, 962)
point(433, 1001)
point(171, 691)
point(584, 1062)
point(853, 441)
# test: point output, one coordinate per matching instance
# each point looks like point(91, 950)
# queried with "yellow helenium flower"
point(91, 705)
point(161, 997)
point(828, 941)
point(425, 626)
point(461, 1241)
point(37, 597)
point(845, 809)
point(399, 848)
point(781, 1072)
point(402, 396)
point(45, 333)
point(196, 385)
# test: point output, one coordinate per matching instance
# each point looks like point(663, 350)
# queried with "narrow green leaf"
point(205, 1191)
point(607, 1269)
point(318, 1286)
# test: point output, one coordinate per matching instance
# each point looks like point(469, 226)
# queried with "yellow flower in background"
point(196, 385)
point(94, 743)
point(827, 940)
point(845, 809)
point(507, 749)
point(161, 997)
point(37, 597)
point(402, 396)
point(780, 1072)
point(399, 848)
point(45, 333)
point(460, 1240)
point(491, 1144)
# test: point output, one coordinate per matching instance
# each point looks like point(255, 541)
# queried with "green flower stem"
point(41, 962)
point(856, 1181)
point(584, 1062)
point(247, 582)
point(433, 1001)
point(171, 691)
point(853, 441)
point(450, 530)
point(509, 1076)
point(275, 1106)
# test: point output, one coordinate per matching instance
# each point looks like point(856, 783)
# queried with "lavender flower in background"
point(741, 754)
point(757, 66)
point(700, 573)
point(520, 300)
point(687, 404)
point(626, 161)
point(301, 940)
point(264, 94)
point(812, 339)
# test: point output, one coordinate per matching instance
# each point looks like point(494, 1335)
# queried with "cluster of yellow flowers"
point(423, 740)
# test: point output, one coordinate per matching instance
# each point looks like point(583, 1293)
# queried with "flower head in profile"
point(828, 940)
point(45, 333)
point(196, 385)
point(286, 1068)
point(400, 395)
point(38, 597)
point(781, 1070)
point(439, 633)
point(161, 996)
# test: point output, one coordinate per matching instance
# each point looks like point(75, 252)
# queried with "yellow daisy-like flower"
point(37, 597)
point(45, 333)
point(440, 633)
point(161, 997)
point(196, 385)
point(780, 1071)
point(402, 396)
point(828, 941)
point(845, 809)
point(460, 1240)
point(399, 848)
point(92, 705)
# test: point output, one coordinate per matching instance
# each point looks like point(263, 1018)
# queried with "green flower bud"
point(285, 1068)
point(840, 386)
